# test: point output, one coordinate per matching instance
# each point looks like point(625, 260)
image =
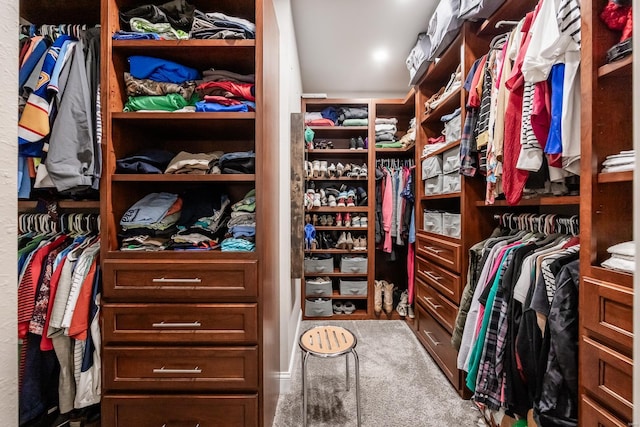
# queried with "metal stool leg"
point(346, 358)
point(305, 356)
point(357, 363)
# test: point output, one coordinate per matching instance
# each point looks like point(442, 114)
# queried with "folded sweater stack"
point(386, 129)
point(242, 225)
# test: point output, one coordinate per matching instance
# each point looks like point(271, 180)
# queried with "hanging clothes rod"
point(539, 223)
point(506, 23)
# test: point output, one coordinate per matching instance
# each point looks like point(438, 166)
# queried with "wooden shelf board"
point(336, 209)
point(612, 276)
point(199, 43)
point(336, 152)
point(356, 315)
point(336, 295)
point(341, 228)
point(342, 178)
point(182, 116)
point(540, 201)
point(511, 10)
point(609, 177)
point(396, 150)
point(441, 196)
point(335, 273)
point(339, 128)
point(448, 105)
point(336, 251)
point(183, 178)
point(443, 149)
point(25, 205)
point(179, 255)
point(619, 68)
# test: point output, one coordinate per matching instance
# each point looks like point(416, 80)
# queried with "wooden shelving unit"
point(619, 68)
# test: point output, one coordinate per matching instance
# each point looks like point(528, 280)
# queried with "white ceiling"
point(339, 39)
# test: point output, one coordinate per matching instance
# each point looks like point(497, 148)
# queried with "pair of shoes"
point(359, 221)
point(361, 195)
point(319, 281)
point(347, 220)
point(403, 304)
point(360, 243)
point(323, 144)
point(345, 241)
point(356, 143)
point(346, 307)
point(383, 290)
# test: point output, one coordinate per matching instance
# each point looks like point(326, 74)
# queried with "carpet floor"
point(400, 385)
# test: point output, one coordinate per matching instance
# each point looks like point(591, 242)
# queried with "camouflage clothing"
point(146, 87)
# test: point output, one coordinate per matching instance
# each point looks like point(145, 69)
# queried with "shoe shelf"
point(342, 178)
point(609, 177)
point(334, 209)
point(337, 251)
point(335, 273)
point(621, 68)
point(538, 201)
point(335, 151)
point(183, 178)
point(339, 228)
point(337, 295)
point(446, 106)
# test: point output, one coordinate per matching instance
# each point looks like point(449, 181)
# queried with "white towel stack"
point(623, 257)
point(625, 161)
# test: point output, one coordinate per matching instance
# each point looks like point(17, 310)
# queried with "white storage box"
point(431, 166)
point(433, 185)
point(353, 287)
point(432, 221)
point(320, 307)
point(318, 288)
point(453, 129)
point(318, 265)
point(451, 224)
point(451, 160)
point(451, 183)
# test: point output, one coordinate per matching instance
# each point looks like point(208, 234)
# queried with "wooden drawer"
point(439, 307)
point(440, 251)
point(447, 283)
point(437, 341)
point(607, 310)
point(608, 377)
point(594, 415)
point(179, 411)
point(179, 281)
point(180, 368)
point(180, 323)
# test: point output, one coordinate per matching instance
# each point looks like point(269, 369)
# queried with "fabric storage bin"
point(433, 185)
point(452, 127)
point(318, 265)
point(431, 166)
point(353, 264)
point(353, 287)
point(432, 221)
point(418, 59)
point(451, 224)
point(451, 160)
point(451, 183)
point(320, 307)
point(318, 288)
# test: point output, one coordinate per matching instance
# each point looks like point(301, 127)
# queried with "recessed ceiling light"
point(380, 55)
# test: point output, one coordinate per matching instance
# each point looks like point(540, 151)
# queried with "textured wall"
point(8, 209)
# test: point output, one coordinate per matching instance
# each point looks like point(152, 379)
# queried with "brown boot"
point(377, 296)
point(388, 296)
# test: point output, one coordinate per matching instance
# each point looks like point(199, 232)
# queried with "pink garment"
point(239, 90)
point(410, 271)
point(320, 122)
point(387, 211)
point(541, 112)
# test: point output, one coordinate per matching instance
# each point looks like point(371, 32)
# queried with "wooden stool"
point(328, 341)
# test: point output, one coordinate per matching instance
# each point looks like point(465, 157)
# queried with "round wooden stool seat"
point(327, 341)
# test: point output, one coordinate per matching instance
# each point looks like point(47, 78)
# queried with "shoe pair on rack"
point(345, 241)
point(356, 143)
point(383, 290)
point(356, 171)
point(322, 145)
point(346, 307)
point(359, 221)
point(404, 308)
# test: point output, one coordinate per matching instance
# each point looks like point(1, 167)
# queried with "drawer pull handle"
point(432, 249)
point(164, 370)
point(428, 334)
point(431, 304)
point(165, 280)
point(177, 325)
point(432, 276)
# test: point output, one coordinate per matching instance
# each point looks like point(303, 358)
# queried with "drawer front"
point(437, 305)
point(437, 341)
point(447, 283)
point(181, 368)
point(607, 375)
point(610, 310)
point(594, 415)
point(440, 251)
point(180, 323)
point(157, 280)
point(179, 411)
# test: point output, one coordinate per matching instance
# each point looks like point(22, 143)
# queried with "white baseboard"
point(285, 377)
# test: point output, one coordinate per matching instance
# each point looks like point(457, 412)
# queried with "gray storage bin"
point(320, 307)
point(451, 225)
point(451, 160)
point(432, 221)
point(318, 265)
point(353, 287)
point(355, 264)
point(451, 183)
point(317, 288)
